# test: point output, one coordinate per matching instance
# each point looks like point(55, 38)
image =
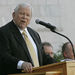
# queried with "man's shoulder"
point(8, 28)
point(32, 30)
point(6, 25)
point(66, 60)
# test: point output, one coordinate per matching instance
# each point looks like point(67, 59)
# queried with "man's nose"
point(24, 16)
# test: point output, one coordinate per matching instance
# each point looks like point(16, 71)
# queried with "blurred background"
point(60, 13)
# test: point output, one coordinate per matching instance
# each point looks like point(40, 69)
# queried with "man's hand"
point(27, 67)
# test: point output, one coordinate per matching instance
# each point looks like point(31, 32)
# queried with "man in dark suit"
point(14, 51)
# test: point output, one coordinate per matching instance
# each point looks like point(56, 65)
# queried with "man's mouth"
point(23, 21)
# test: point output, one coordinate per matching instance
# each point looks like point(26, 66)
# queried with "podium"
point(40, 73)
point(66, 68)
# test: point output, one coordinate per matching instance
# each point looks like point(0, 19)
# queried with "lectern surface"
point(66, 68)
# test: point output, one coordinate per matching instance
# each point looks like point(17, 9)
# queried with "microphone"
point(48, 25)
point(53, 28)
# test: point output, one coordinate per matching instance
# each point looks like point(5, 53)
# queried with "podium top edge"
point(59, 63)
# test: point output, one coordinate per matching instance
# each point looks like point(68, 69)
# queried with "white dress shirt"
point(66, 60)
point(33, 43)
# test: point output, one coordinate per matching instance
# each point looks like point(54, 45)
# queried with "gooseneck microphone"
point(48, 25)
point(53, 29)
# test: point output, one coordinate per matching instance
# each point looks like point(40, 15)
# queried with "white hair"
point(22, 5)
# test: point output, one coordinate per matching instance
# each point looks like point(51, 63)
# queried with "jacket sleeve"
point(7, 61)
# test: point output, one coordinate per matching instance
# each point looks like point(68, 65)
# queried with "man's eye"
point(28, 15)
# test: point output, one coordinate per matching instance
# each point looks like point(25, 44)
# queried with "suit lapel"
point(20, 39)
point(36, 42)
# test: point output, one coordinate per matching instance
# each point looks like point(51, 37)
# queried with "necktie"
point(31, 50)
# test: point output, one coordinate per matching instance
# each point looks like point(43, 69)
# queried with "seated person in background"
point(47, 47)
point(67, 52)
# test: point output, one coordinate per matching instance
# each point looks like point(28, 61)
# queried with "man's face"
point(48, 50)
point(22, 17)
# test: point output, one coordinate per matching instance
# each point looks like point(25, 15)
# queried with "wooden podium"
point(66, 68)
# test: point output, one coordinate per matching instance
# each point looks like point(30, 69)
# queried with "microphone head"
point(37, 21)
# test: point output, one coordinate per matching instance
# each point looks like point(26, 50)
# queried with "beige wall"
point(60, 13)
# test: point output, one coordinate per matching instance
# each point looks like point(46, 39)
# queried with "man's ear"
point(65, 54)
point(13, 14)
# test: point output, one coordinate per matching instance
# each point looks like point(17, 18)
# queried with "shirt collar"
point(23, 30)
point(20, 29)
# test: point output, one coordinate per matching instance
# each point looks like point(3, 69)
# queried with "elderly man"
point(20, 46)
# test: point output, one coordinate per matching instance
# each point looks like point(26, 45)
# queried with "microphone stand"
point(53, 30)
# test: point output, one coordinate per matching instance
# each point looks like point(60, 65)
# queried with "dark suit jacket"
point(13, 48)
